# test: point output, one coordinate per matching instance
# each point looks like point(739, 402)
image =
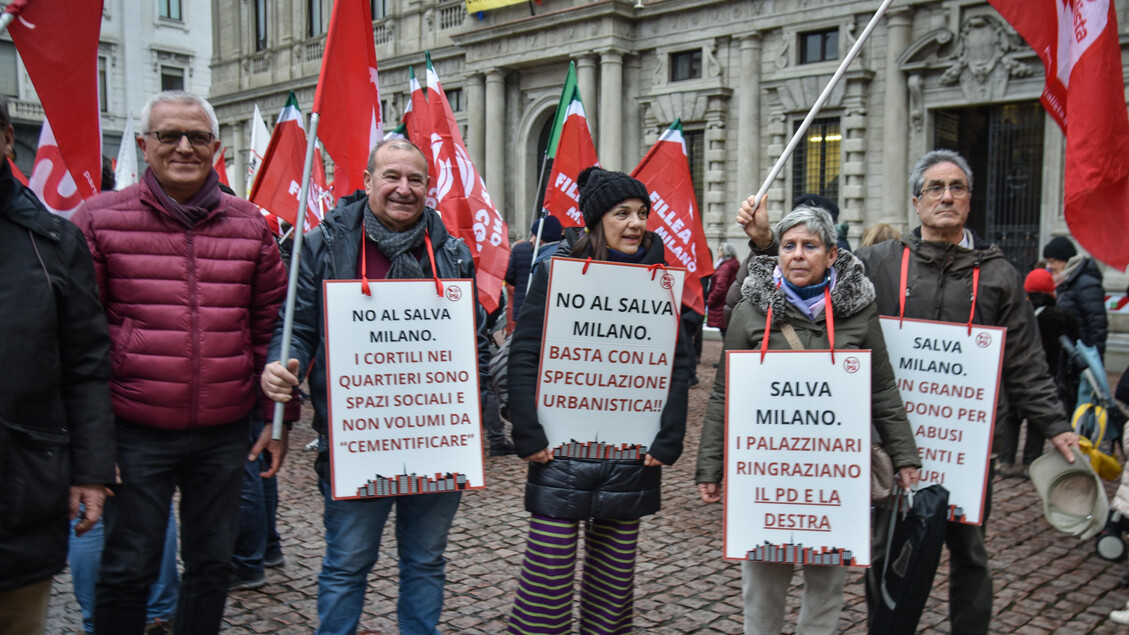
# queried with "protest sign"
point(949, 378)
point(607, 355)
point(402, 377)
point(797, 457)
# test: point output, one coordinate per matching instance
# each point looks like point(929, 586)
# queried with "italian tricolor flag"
point(570, 151)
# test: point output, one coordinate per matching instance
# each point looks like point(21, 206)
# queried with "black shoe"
point(244, 582)
point(503, 449)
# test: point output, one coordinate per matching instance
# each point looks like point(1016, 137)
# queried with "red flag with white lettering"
point(665, 170)
point(1085, 94)
point(571, 151)
point(347, 96)
point(58, 43)
point(463, 201)
point(279, 180)
point(50, 180)
point(220, 166)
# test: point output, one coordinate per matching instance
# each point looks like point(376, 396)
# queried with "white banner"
point(606, 356)
point(949, 379)
point(402, 377)
point(797, 457)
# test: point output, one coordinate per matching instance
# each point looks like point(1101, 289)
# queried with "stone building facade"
point(740, 74)
point(143, 48)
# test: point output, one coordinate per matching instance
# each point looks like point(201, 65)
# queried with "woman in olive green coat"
point(793, 284)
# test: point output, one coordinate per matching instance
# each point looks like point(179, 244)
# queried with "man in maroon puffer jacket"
point(191, 283)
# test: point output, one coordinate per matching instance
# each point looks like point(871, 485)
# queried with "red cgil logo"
point(983, 340)
point(667, 281)
point(851, 365)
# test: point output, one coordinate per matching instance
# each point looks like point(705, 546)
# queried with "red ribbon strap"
point(830, 319)
point(975, 285)
point(902, 287)
point(365, 289)
point(431, 257)
point(587, 262)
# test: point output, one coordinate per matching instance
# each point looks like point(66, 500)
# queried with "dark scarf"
point(619, 256)
point(397, 246)
point(8, 182)
point(195, 209)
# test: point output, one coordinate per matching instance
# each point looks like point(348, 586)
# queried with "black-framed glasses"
point(935, 192)
point(172, 137)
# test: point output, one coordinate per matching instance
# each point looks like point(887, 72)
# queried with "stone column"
point(895, 122)
point(476, 119)
point(586, 82)
point(748, 118)
point(610, 148)
point(239, 133)
point(494, 168)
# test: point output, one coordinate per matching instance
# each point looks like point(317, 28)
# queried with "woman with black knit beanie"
point(610, 495)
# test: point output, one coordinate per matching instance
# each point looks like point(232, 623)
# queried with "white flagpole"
point(851, 55)
point(295, 261)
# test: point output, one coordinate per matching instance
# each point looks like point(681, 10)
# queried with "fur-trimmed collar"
point(853, 291)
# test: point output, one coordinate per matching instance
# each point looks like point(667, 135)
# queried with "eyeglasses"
point(935, 192)
point(172, 137)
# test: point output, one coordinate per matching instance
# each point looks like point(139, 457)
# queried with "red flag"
point(347, 96)
point(50, 180)
point(17, 172)
point(417, 122)
point(279, 180)
point(571, 150)
point(58, 43)
point(220, 167)
point(1085, 93)
point(665, 170)
point(463, 201)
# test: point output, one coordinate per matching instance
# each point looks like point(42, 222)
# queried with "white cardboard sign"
point(402, 377)
point(949, 380)
point(797, 457)
point(606, 356)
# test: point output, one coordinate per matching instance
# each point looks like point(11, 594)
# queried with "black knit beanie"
point(600, 190)
point(1060, 248)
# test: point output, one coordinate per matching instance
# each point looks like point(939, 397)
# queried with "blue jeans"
point(258, 505)
point(84, 554)
point(206, 465)
point(352, 543)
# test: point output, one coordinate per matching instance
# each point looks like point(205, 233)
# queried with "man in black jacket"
point(385, 230)
point(56, 422)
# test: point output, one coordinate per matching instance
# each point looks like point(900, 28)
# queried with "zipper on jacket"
point(194, 311)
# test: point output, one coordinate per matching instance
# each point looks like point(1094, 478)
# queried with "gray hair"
point(179, 97)
point(815, 219)
point(398, 144)
point(917, 177)
point(726, 250)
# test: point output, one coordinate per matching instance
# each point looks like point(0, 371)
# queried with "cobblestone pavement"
point(1044, 581)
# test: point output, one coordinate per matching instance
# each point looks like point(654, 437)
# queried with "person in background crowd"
point(829, 206)
point(387, 231)
point(56, 422)
point(724, 273)
point(879, 233)
point(943, 258)
point(521, 256)
point(84, 552)
point(610, 495)
point(809, 278)
point(1053, 323)
point(191, 282)
point(1078, 281)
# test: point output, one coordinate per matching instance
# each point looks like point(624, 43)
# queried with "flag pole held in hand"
point(295, 261)
point(803, 129)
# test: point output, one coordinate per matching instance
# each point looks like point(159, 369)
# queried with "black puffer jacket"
point(1081, 294)
point(581, 488)
point(56, 421)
